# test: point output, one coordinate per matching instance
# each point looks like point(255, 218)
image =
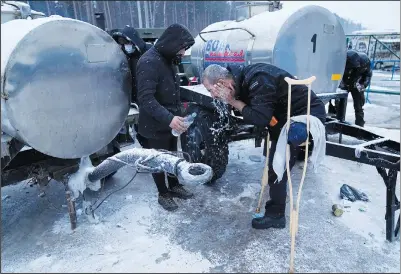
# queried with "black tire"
point(378, 65)
point(204, 145)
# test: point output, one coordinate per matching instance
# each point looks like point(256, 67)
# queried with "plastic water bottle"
point(188, 120)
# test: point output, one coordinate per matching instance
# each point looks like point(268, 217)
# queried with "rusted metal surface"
point(71, 209)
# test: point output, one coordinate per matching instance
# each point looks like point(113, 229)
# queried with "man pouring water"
point(159, 104)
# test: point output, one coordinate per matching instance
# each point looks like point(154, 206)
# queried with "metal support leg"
point(392, 203)
point(341, 112)
point(71, 209)
point(397, 228)
point(258, 142)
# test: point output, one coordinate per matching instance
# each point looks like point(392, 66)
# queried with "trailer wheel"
point(378, 65)
point(205, 145)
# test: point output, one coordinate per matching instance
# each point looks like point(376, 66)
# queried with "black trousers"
point(278, 190)
point(166, 144)
point(358, 98)
point(359, 101)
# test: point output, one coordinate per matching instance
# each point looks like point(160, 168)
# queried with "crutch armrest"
point(300, 82)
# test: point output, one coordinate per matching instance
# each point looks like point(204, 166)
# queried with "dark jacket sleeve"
point(262, 98)
point(147, 80)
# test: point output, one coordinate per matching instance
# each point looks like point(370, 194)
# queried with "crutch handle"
point(300, 82)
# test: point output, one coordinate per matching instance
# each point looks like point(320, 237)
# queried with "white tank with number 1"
point(310, 41)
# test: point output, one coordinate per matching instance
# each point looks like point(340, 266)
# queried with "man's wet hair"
point(214, 73)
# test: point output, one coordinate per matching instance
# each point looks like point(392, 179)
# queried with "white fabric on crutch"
point(318, 132)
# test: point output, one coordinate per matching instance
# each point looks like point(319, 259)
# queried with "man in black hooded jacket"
point(260, 93)
point(134, 47)
point(355, 80)
point(159, 103)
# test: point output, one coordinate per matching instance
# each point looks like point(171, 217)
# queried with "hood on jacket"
point(364, 59)
point(353, 59)
point(173, 39)
point(130, 34)
point(238, 74)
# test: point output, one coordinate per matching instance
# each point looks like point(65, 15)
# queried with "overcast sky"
point(377, 15)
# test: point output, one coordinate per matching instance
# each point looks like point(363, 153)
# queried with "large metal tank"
point(64, 85)
point(310, 41)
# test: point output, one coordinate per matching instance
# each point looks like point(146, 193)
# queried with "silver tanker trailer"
point(64, 95)
point(307, 42)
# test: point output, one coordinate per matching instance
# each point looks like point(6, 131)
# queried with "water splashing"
point(223, 123)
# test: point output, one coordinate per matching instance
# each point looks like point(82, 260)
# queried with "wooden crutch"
point(295, 211)
point(265, 177)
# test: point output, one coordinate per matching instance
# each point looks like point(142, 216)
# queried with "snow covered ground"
point(212, 232)
point(383, 111)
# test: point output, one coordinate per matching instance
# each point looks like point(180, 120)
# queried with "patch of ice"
point(371, 105)
point(41, 263)
point(386, 75)
point(392, 134)
point(249, 191)
point(62, 225)
point(381, 88)
point(78, 181)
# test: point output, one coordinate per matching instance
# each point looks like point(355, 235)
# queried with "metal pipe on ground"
point(153, 161)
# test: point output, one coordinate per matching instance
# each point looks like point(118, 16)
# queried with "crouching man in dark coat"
point(356, 79)
point(260, 93)
point(159, 104)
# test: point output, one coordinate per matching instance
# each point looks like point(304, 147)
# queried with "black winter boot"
point(359, 122)
point(274, 217)
point(167, 202)
point(180, 192)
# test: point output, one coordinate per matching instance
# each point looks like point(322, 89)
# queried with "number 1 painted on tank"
point(313, 40)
